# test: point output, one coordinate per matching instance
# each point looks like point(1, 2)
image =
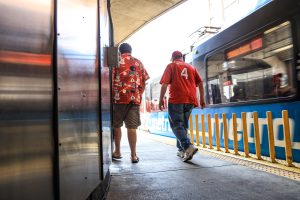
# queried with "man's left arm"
point(201, 92)
point(144, 79)
point(163, 90)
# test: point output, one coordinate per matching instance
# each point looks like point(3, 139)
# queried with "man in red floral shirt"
point(129, 80)
point(182, 79)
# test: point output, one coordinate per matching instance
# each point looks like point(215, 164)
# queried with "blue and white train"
point(252, 66)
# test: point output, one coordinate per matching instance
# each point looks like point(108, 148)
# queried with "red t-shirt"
point(182, 79)
point(129, 80)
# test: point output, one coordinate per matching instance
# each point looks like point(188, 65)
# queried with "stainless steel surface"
point(27, 102)
point(78, 98)
point(26, 143)
point(105, 89)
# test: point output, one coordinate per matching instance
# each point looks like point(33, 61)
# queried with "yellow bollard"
point(245, 134)
point(203, 131)
point(225, 128)
point(217, 132)
point(287, 138)
point(235, 142)
point(191, 130)
point(197, 130)
point(271, 137)
point(257, 136)
point(209, 131)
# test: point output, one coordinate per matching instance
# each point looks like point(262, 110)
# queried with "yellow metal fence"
point(286, 129)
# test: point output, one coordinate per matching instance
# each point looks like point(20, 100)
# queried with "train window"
point(260, 68)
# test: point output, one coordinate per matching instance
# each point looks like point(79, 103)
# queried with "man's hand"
point(161, 104)
point(202, 103)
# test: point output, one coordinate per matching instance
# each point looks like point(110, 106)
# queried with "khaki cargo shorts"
point(128, 113)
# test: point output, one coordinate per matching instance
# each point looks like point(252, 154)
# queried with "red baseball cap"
point(176, 55)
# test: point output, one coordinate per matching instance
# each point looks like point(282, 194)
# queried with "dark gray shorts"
point(130, 114)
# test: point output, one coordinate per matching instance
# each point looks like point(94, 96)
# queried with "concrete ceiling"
point(129, 16)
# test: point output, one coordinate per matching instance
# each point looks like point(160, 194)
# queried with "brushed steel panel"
point(78, 98)
point(105, 90)
point(26, 143)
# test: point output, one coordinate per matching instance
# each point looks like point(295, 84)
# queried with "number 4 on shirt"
point(184, 73)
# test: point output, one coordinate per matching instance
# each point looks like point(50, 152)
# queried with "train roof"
point(129, 16)
point(271, 12)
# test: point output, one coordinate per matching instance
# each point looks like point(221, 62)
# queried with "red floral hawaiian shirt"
point(129, 80)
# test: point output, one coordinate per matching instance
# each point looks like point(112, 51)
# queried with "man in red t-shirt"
point(182, 79)
point(129, 80)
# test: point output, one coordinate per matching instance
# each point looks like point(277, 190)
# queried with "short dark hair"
point(125, 48)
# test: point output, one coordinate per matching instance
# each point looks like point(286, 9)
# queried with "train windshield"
point(260, 68)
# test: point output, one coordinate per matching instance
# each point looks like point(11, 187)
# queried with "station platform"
point(161, 174)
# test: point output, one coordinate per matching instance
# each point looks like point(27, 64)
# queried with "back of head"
point(236, 89)
point(176, 55)
point(125, 48)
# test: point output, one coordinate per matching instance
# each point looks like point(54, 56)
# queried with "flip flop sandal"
point(116, 157)
point(136, 160)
